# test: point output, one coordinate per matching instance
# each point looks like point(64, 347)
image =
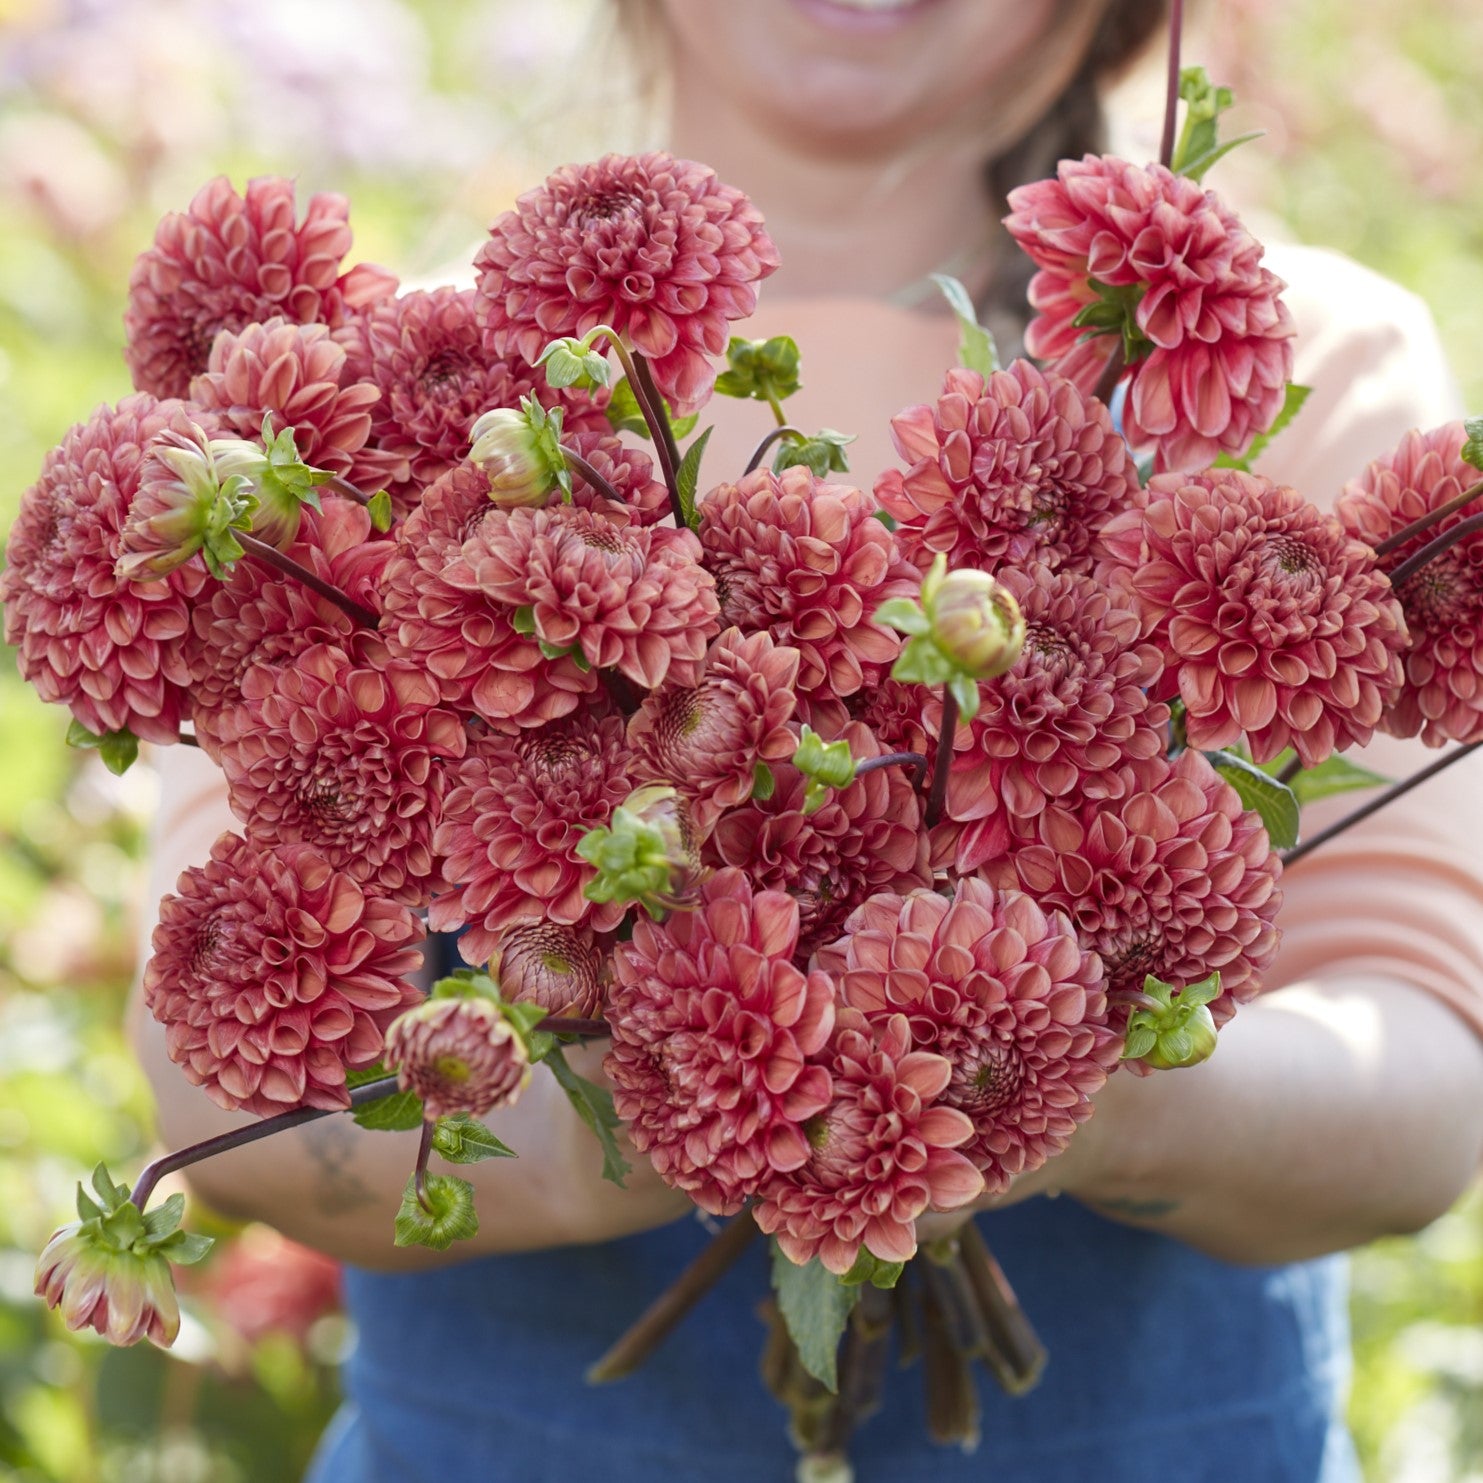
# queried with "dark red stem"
point(275, 558)
point(1171, 98)
point(1435, 517)
point(1433, 549)
point(590, 474)
point(775, 436)
point(942, 764)
point(424, 1152)
point(336, 485)
point(559, 1024)
point(1111, 375)
point(894, 759)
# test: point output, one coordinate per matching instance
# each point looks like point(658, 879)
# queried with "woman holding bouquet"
point(1194, 1318)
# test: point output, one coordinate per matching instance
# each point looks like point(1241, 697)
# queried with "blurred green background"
point(431, 115)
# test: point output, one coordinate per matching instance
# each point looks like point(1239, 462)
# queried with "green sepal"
point(119, 749)
point(1204, 103)
point(816, 1306)
point(1180, 1032)
point(886, 518)
point(123, 1227)
point(183, 1248)
point(766, 370)
point(110, 1195)
point(524, 1017)
point(1197, 167)
point(594, 1105)
point(378, 507)
point(1472, 448)
point(830, 764)
point(452, 1217)
point(397, 1112)
point(463, 1139)
point(1114, 312)
point(1275, 802)
point(764, 782)
point(921, 662)
point(976, 348)
point(872, 1269)
point(822, 454)
point(165, 1218)
point(523, 620)
point(687, 476)
point(1292, 403)
point(904, 614)
point(964, 689)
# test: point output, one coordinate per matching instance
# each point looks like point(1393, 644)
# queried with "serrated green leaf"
point(815, 1306)
point(594, 1106)
point(451, 1219)
point(1292, 404)
point(397, 1112)
point(976, 348)
point(1336, 775)
point(1274, 801)
point(462, 1139)
point(687, 476)
point(764, 783)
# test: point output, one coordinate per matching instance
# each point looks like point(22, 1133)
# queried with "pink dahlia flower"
point(883, 1152)
point(656, 247)
point(1014, 468)
point(1176, 879)
point(1216, 336)
point(273, 974)
point(258, 617)
point(626, 597)
point(865, 838)
point(124, 1296)
point(1005, 991)
point(229, 261)
point(300, 375)
point(707, 739)
point(715, 1040)
point(1441, 695)
point(347, 758)
point(111, 650)
point(563, 969)
point(807, 562)
point(458, 1055)
point(643, 498)
point(1274, 621)
point(516, 810)
point(465, 641)
point(1063, 722)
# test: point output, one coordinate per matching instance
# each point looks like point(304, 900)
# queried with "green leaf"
point(594, 1106)
point(1274, 801)
point(462, 1139)
point(1292, 404)
point(870, 1268)
point(397, 1112)
point(379, 509)
point(822, 454)
point(378, 1072)
point(687, 476)
point(976, 348)
point(164, 1217)
point(1204, 103)
point(1472, 449)
point(451, 1218)
point(623, 411)
point(764, 784)
point(118, 749)
point(904, 614)
point(1197, 167)
point(815, 1306)
point(1336, 775)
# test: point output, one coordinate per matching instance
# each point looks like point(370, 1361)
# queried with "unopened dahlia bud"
point(562, 969)
point(1177, 1029)
point(646, 854)
point(110, 1271)
point(975, 622)
point(826, 765)
point(573, 362)
point(278, 476)
point(458, 1055)
point(521, 453)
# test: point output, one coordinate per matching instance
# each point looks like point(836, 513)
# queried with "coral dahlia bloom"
point(707, 739)
point(1275, 622)
point(882, 1153)
point(1177, 879)
point(1064, 721)
point(273, 974)
point(807, 562)
point(464, 640)
point(300, 375)
point(656, 247)
point(629, 598)
point(1005, 991)
point(515, 811)
point(865, 838)
point(346, 757)
point(458, 1055)
point(124, 1296)
point(1003, 470)
point(229, 261)
point(111, 650)
point(563, 969)
point(1217, 336)
point(714, 1031)
point(1441, 695)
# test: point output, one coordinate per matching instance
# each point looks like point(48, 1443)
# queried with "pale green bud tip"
point(1177, 1028)
point(646, 854)
point(519, 449)
point(573, 362)
point(977, 624)
point(829, 764)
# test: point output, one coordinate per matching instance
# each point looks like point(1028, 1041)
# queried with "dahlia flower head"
point(653, 246)
point(1276, 624)
point(1218, 337)
point(1014, 467)
point(229, 261)
point(717, 1036)
point(273, 974)
point(1441, 693)
point(807, 561)
point(458, 1055)
point(565, 970)
point(123, 1296)
point(1004, 990)
point(884, 1151)
point(112, 650)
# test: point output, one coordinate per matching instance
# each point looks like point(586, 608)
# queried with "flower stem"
point(779, 415)
point(652, 404)
point(559, 1024)
point(776, 435)
point(943, 762)
point(275, 558)
point(895, 759)
point(1112, 373)
point(424, 1152)
point(336, 485)
point(590, 474)
point(1435, 517)
point(1433, 549)
point(1171, 97)
point(1396, 790)
point(208, 1148)
point(1290, 769)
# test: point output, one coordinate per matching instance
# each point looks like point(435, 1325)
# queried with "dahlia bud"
point(1177, 1029)
point(573, 362)
point(110, 1271)
point(826, 765)
point(459, 1055)
point(282, 482)
point(559, 968)
point(646, 854)
point(521, 453)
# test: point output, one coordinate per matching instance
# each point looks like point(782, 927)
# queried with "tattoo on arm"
point(330, 1142)
point(1135, 1209)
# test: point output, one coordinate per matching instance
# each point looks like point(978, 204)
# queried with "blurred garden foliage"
point(431, 115)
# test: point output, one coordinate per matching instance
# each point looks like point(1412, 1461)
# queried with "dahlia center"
point(986, 1079)
point(1053, 653)
point(606, 205)
point(203, 949)
point(839, 1145)
point(1442, 594)
point(1291, 562)
point(198, 340)
point(445, 376)
point(322, 800)
point(1129, 965)
point(605, 538)
point(452, 1069)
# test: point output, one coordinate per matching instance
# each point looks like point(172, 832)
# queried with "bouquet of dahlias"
point(876, 828)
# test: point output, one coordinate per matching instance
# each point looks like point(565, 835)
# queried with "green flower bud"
point(646, 854)
point(521, 453)
point(1177, 1029)
point(282, 482)
point(976, 623)
point(826, 765)
point(573, 362)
